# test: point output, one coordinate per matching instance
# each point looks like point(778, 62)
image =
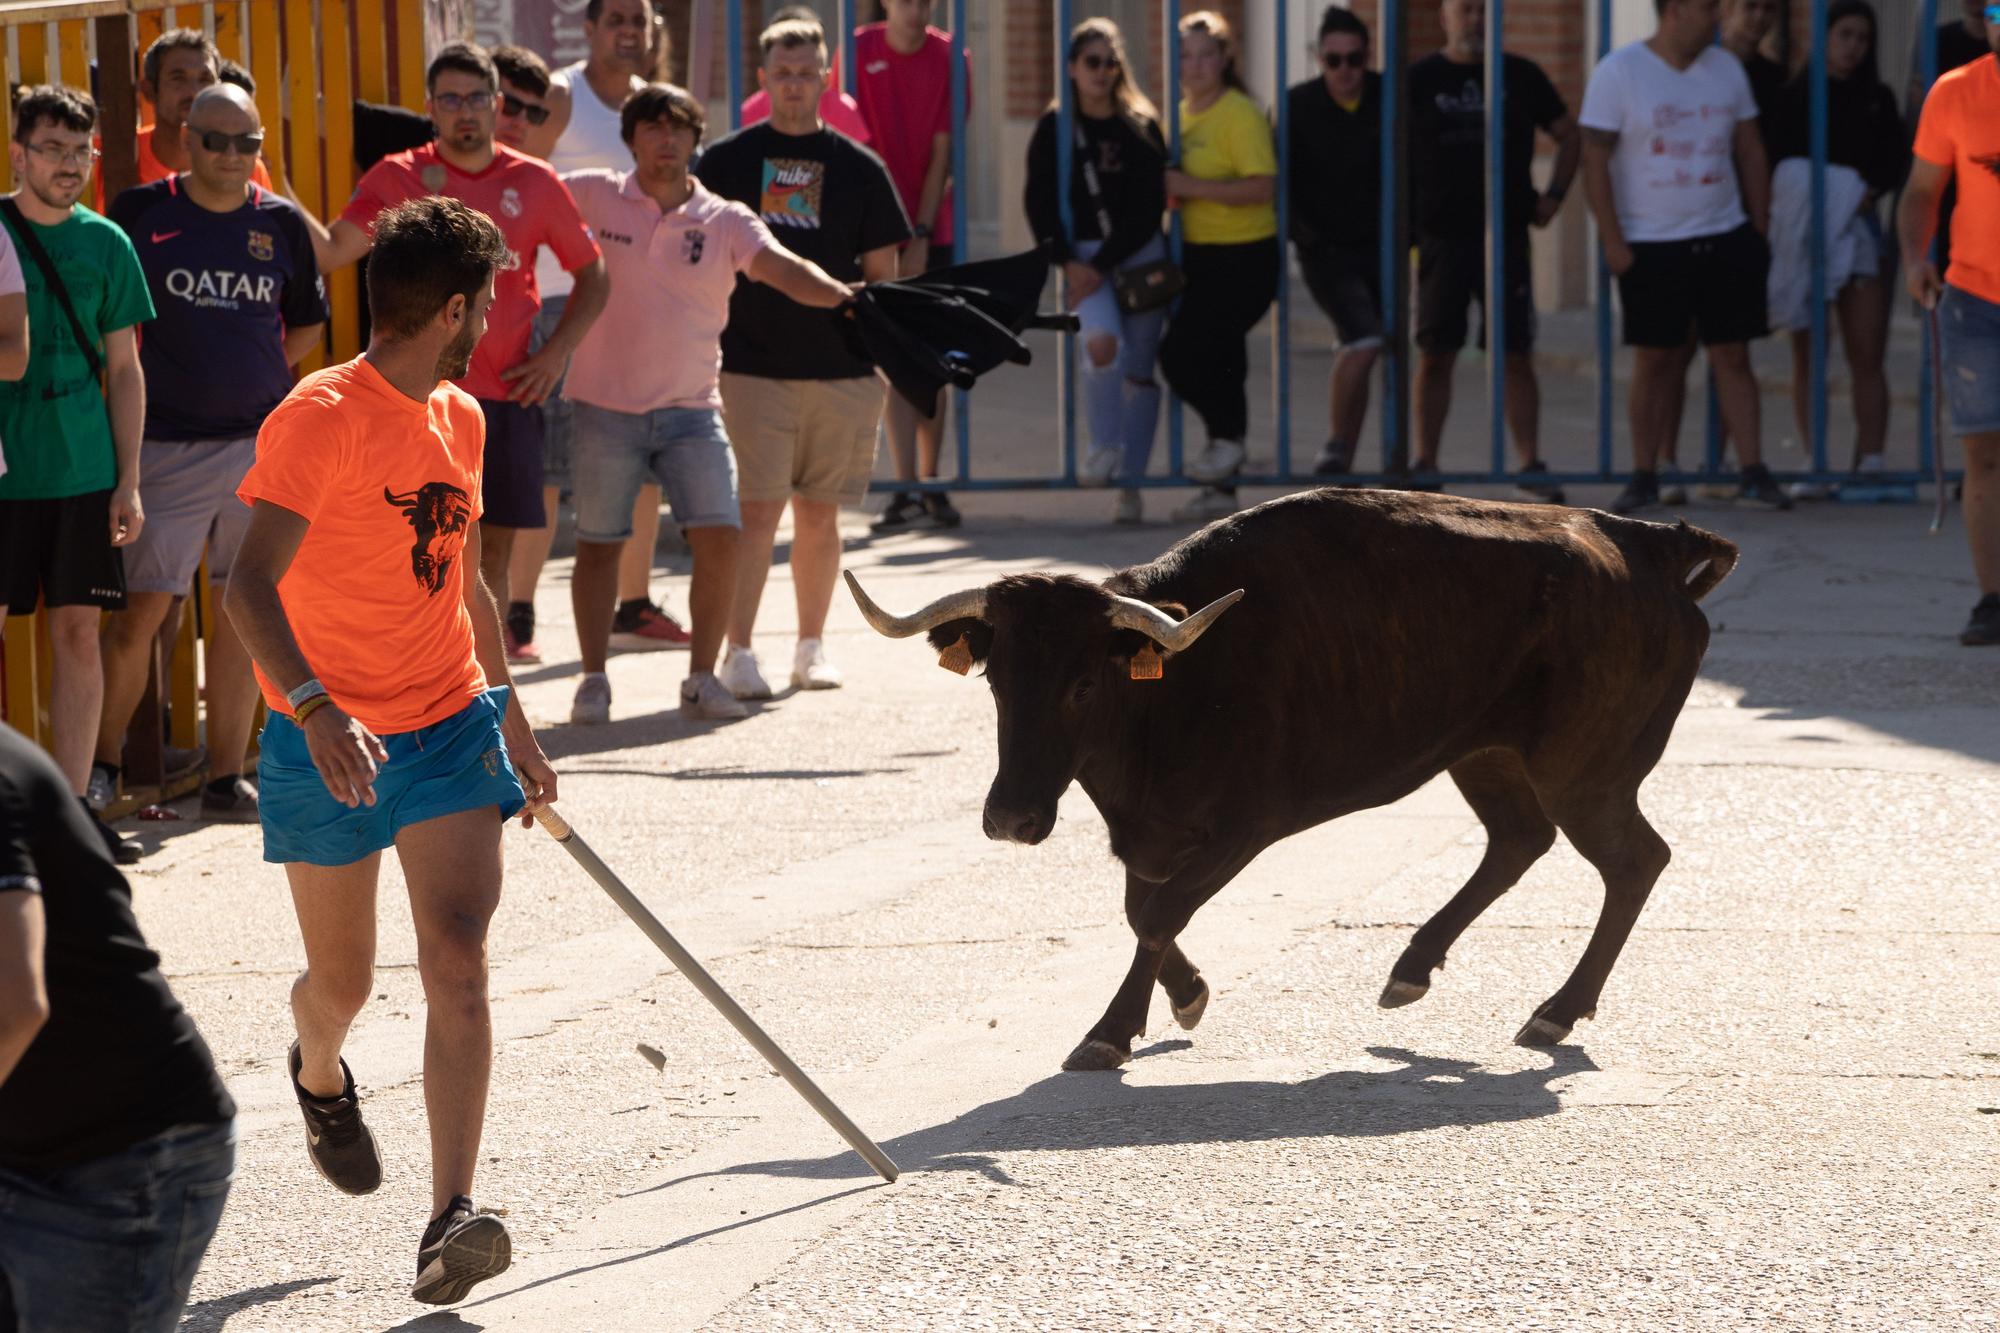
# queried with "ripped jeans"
point(1121, 399)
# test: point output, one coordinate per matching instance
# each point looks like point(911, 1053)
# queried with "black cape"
point(952, 325)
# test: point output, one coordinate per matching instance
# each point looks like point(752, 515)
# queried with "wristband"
point(304, 692)
point(309, 707)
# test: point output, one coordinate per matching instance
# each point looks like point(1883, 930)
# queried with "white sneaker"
point(1099, 468)
point(704, 696)
point(1128, 510)
point(102, 790)
point(593, 700)
point(1219, 460)
point(740, 676)
point(811, 670)
point(1207, 504)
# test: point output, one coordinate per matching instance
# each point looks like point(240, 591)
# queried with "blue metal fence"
point(1395, 364)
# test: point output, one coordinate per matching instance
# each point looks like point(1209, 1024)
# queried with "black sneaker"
point(1336, 458)
point(461, 1248)
point(1640, 493)
point(230, 800)
point(336, 1139)
point(1532, 484)
point(521, 621)
point(1983, 630)
point(123, 850)
point(1759, 489)
point(902, 510)
point(941, 510)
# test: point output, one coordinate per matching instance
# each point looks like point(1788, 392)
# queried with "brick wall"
point(1030, 62)
point(1555, 34)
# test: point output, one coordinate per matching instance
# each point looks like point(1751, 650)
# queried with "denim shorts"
point(1971, 361)
point(111, 1245)
point(555, 407)
point(458, 764)
point(685, 449)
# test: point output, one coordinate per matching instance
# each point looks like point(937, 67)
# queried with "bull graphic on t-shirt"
point(439, 512)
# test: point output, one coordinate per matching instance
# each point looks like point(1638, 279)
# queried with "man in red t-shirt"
point(532, 208)
point(902, 81)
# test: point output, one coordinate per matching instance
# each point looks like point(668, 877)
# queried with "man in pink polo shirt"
point(526, 200)
point(644, 382)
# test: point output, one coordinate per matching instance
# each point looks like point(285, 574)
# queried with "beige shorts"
point(812, 438)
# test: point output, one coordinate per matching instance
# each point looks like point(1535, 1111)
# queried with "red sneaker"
point(647, 629)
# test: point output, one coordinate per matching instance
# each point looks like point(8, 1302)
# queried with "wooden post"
point(117, 105)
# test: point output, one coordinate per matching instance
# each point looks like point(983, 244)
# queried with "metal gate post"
point(1171, 39)
point(961, 238)
point(1394, 45)
point(1281, 332)
point(1606, 385)
point(1927, 70)
point(1496, 233)
point(732, 63)
point(1816, 103)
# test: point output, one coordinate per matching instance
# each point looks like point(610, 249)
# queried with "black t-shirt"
point(1129, 159)
point(824, 197)
point(1336, 167)
point(1448, 141)
point(1767, 84)
point(119, 1059)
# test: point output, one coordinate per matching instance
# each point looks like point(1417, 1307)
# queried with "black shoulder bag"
point(26, 232)
point(1143, 287)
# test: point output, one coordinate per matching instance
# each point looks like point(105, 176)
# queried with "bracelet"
point(304, 692)
point(309, 707)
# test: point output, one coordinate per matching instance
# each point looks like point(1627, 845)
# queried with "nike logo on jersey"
point(161, 236)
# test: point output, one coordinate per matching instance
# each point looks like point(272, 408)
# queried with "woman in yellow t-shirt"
point(1224, 186)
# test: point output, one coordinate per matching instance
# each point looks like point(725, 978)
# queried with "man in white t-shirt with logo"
point(1675, 171)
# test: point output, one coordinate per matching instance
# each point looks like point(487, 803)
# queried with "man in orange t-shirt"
point(174, 70)
point(1958, 142)
point(377, 646)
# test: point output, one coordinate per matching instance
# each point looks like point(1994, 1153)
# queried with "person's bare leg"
point(1982, 508)
point(753, 565)
point(1348, 385)
point(531, 552)
point(930, 437)
point(126, 647)
point(1863, 333)
point(901, 422)
point(815, 561)
point(496, 551)
point(232, 694)
point(1736, 391)
point(593, 588)
point(336, 911)
point(710, 592)
point(76, 699)
point(635, 560)
point(1801, 386)
point(1433, 403)
point(1524, 407)
point(1659, 382)
point(452, 864)
point(1673, 406)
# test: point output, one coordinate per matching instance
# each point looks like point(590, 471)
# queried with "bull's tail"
point(1708, 559)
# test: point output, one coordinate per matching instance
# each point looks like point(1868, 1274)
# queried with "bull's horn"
point(967, 605)
point(1176, 636)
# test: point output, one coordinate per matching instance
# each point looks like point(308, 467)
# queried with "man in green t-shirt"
point(70, 498)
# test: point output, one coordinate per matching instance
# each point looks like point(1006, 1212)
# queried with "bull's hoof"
point(1189, 1014)
point(1095, 1054)
point(1399, 993)
point(1541, 1032)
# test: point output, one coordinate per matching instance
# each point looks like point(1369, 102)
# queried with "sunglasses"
point(1095, 62)
point(215, 141)
point(511, 105)
point(452, 103)
point(1351, 59)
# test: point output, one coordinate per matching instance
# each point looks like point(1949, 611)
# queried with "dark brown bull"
point(1537, 654)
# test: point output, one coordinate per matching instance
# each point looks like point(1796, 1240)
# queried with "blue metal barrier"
point(1927, 72)
point(1066, 370)
point(1496, 234)
point(1607, 389)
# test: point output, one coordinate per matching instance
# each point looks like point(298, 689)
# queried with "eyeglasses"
point(1351, 59)
point(452, 103)
point(1095, 63)
point(58, 156)
point(215, 141)
point(511, 105)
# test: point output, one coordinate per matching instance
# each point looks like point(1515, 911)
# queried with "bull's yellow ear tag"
point(958, 657)
point(1147, 664)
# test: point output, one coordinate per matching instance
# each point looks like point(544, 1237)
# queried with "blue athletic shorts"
point(458, 764)
point(1971, 361)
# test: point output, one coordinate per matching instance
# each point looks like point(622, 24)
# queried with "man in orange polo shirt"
point(1958, 142)
point(378, 649)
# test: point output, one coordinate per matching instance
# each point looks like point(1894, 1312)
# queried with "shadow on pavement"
point(213, 1314)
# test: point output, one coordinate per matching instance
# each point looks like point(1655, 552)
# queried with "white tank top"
point(591, 139)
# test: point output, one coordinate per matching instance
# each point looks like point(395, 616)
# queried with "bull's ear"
point(962, 644)
point(1136, 657)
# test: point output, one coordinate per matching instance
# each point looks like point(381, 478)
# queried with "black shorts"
point(1451, 275)
point(1347, 285)
point(59, 553)
point(510, 486)
point(1708, 287)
